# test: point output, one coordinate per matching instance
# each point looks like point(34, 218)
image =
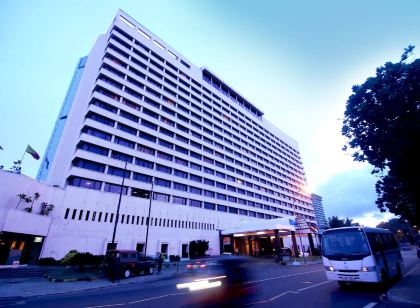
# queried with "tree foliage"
point(335, 222)
point(382, 124)
point(400, 228)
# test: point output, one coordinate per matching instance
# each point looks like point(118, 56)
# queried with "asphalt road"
point(275, 285)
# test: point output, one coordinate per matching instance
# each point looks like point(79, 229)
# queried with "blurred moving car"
point(219, 282)
point(128, 263)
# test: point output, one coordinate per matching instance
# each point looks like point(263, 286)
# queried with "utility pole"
point(118, 207)
point(148, 219)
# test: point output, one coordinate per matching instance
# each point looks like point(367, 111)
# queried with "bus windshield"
point(350, 244)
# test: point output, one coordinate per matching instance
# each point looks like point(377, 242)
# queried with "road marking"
point(138, 301)
point(315, 285)
point(308, 282)
point(284, 276)
point(370, 305)
point(292, 292)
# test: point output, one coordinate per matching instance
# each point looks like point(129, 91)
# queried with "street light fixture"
point(118, 207)
point(148, 218)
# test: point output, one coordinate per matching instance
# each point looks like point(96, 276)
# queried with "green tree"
point(382, 124)
point(335, 222)
point(400, 228)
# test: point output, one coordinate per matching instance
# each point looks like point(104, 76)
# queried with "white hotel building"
point(139, 111)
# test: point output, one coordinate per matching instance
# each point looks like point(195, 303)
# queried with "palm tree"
point(22, 197)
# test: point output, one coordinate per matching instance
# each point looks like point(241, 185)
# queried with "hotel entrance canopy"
point(262, 226)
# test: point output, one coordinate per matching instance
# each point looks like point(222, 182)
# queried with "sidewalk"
point(28, 287)
point(408, 289)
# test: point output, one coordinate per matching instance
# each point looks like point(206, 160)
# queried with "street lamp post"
point(118, 207)
point(148, 219)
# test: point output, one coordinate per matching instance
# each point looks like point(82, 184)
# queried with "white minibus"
point(356, 254)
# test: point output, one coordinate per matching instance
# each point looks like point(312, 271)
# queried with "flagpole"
point(23, 155)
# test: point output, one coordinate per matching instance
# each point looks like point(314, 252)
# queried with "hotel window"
point(209, 206)
point(181, 149)
point(182, 128)
point(221, 196)
point(147, 136)
point(220, 174)
point(195, 166)
point(97, 133)
point(85, 183)
point(151, 113)
point(181, 138)
point(181, 161)
point(209, 193)
point(129, 116)
point(93, 148)
point(149, 124)
point(195, 155)
point(179, 186)
point(195, 203)
point(145, 149)
point(144, 163)
point(221, 208)
point(179, 200)
point(142, 177)
point(118, 172)
point(166, 132)
point(233, 210)
point(161, 197)
point(220, 185)
point(87, 164)
point(180, 173)
point(122, 156)
point(127, 129)
point(208, 170)
point(166, 144)
point(209, 182)
point(195, 178)
point(164, 156)
point(164, 169)
point(232, 199)
point(162, 182)
point(124, 142)
point(114, 188)
point(100, 119)
point(195, 190)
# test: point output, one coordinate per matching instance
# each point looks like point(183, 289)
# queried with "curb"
point(69, 279)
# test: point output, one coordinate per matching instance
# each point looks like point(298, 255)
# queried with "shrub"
point(48, 261)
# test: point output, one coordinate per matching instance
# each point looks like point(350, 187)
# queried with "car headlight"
point(368, 269)
point(329, 268)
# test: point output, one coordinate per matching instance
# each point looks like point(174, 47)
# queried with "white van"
point(356, 254)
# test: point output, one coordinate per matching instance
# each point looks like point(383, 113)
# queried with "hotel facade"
point(143, 127)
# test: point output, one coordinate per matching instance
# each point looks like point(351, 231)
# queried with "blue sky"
point(296, 60)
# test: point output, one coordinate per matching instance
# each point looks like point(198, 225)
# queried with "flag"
point(31, 151)
point(314, 229)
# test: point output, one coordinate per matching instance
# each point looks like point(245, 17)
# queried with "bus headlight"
point(368, 269)
point(329, 268)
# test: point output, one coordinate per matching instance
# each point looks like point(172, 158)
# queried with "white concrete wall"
point(64, 235)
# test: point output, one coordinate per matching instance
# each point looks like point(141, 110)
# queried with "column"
point(295, 246)
point(311, 243)
point(251, 252)
point(277, 242)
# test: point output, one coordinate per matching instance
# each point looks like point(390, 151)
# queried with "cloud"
point(349, 194)
point(372, 219)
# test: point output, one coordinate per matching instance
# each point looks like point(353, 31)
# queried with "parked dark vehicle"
point(127, 263)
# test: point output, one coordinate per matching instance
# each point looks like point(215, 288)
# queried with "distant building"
point(319, 211)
